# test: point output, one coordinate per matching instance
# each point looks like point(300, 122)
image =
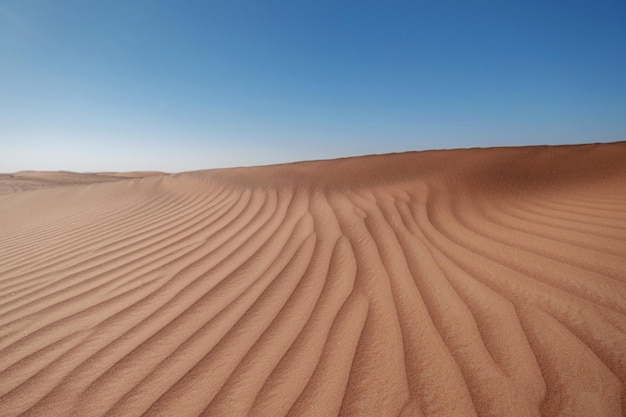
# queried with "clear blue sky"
point(182, 85)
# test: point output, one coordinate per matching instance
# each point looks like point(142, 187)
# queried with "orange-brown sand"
point(477, 282)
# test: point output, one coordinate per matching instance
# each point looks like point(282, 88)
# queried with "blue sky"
point(183, 85)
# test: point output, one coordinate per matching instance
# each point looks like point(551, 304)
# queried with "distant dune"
point(36, 180)
point(475, 282)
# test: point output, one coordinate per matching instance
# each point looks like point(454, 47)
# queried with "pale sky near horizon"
point(185, 85)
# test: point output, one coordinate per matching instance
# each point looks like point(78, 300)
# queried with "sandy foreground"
point(478, 282)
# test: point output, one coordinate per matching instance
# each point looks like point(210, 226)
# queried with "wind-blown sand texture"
point(33, 180)
point(481, 282)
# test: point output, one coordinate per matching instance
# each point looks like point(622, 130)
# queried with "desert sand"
point(475, 282)
point(35, 180)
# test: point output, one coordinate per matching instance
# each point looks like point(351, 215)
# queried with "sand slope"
point(36, 180)
point(484, 282)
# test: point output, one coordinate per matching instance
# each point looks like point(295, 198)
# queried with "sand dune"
point(36, 180)
point(482, 282)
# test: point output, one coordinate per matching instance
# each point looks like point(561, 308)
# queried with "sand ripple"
point(458, 283)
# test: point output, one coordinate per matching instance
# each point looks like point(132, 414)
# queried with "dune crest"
point(479, 282)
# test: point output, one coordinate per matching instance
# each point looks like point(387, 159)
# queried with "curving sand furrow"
point(482, 282)
point(129, 218)
point(536, 257)
point(84, 277)
point(117, 200)
point(158, 244)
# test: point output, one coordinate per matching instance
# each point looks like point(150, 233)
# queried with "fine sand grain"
point(477, 282)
